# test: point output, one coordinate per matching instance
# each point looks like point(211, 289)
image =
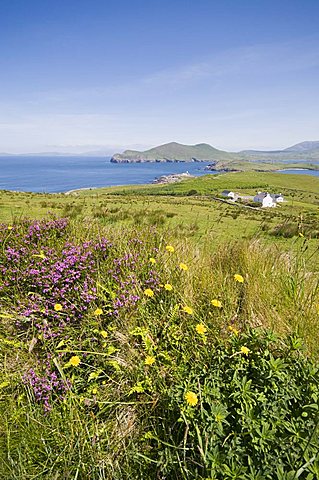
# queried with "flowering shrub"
point(51, 284)
point(46, 387)
point(57, 284)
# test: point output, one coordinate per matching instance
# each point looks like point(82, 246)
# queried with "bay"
point(60, 174)
point(300, 171)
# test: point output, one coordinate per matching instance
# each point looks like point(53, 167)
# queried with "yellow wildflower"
point(168, 287)
point(40, 255)
point(201, 329)
point(74, 361)
point(152, 261)
point(148, 292)
point(149, 360)
point(10, 227)
point(170, 249)
point(183, 266)
point(216, 303)
point(239, 278)
point(58, 307)
point(188, 310)
point(245, 350)
point(94, 391)
point(103, 333)
point(191, 398)
point(233, 329)
point(98, 311)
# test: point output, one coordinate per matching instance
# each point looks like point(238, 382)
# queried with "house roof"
point(227, 191)
point(260, 196)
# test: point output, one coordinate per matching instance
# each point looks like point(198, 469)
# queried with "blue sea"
point(300, 171)
point(60, 174)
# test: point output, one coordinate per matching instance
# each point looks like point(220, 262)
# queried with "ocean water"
point(60, 174)
point(300, 171)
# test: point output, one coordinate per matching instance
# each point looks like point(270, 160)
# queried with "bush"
point(192, 192)
point(255, 417)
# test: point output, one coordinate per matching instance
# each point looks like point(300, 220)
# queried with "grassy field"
point(188, 208)
point(149, 333)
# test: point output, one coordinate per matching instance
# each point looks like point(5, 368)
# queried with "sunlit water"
point(60, 174)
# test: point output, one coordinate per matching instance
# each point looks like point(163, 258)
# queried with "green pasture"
point(188, 209)
point(160, 333)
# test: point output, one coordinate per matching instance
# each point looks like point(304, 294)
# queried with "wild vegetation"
point(138, 343)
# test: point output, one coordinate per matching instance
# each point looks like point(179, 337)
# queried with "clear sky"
point(87, 74)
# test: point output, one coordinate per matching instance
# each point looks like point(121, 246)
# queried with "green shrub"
point(192, 192)
point(256, 415)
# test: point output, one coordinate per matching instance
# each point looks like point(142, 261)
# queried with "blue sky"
point(81, 75)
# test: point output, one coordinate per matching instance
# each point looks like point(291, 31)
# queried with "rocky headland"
point(173, 178)
point(173, 152)
point(305, 154)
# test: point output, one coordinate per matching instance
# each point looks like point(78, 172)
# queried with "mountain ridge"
point(172, 151)
point(201, 152)
point(306, 146)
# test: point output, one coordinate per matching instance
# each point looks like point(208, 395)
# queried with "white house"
point(278, 197)
point(228, 194)
point(265, 199)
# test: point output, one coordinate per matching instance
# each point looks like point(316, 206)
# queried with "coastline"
point(162, 180)
point(69, 192)
point(301, 169)
point(135, 177)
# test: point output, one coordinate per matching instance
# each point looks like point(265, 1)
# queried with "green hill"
point(221, 160)
point(173, 152)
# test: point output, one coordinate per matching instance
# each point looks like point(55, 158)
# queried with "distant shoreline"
point(298, 169)
point(67, 178)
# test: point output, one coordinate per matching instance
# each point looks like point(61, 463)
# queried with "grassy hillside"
point(156, 332)
point(129, 353)
point(194, 202)
point(188, 208)
point(246, 182)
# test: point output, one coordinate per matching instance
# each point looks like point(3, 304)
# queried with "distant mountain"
point(304, 154)
point(96, 153)
point(222, 160)
point(173, 152)
point(304, 147)
point(253, 152)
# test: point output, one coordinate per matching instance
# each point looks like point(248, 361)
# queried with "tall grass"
point(121, 412)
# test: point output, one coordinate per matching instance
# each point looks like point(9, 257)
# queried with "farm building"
point(228, 194)
point(278, 197)
point(265, 199)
